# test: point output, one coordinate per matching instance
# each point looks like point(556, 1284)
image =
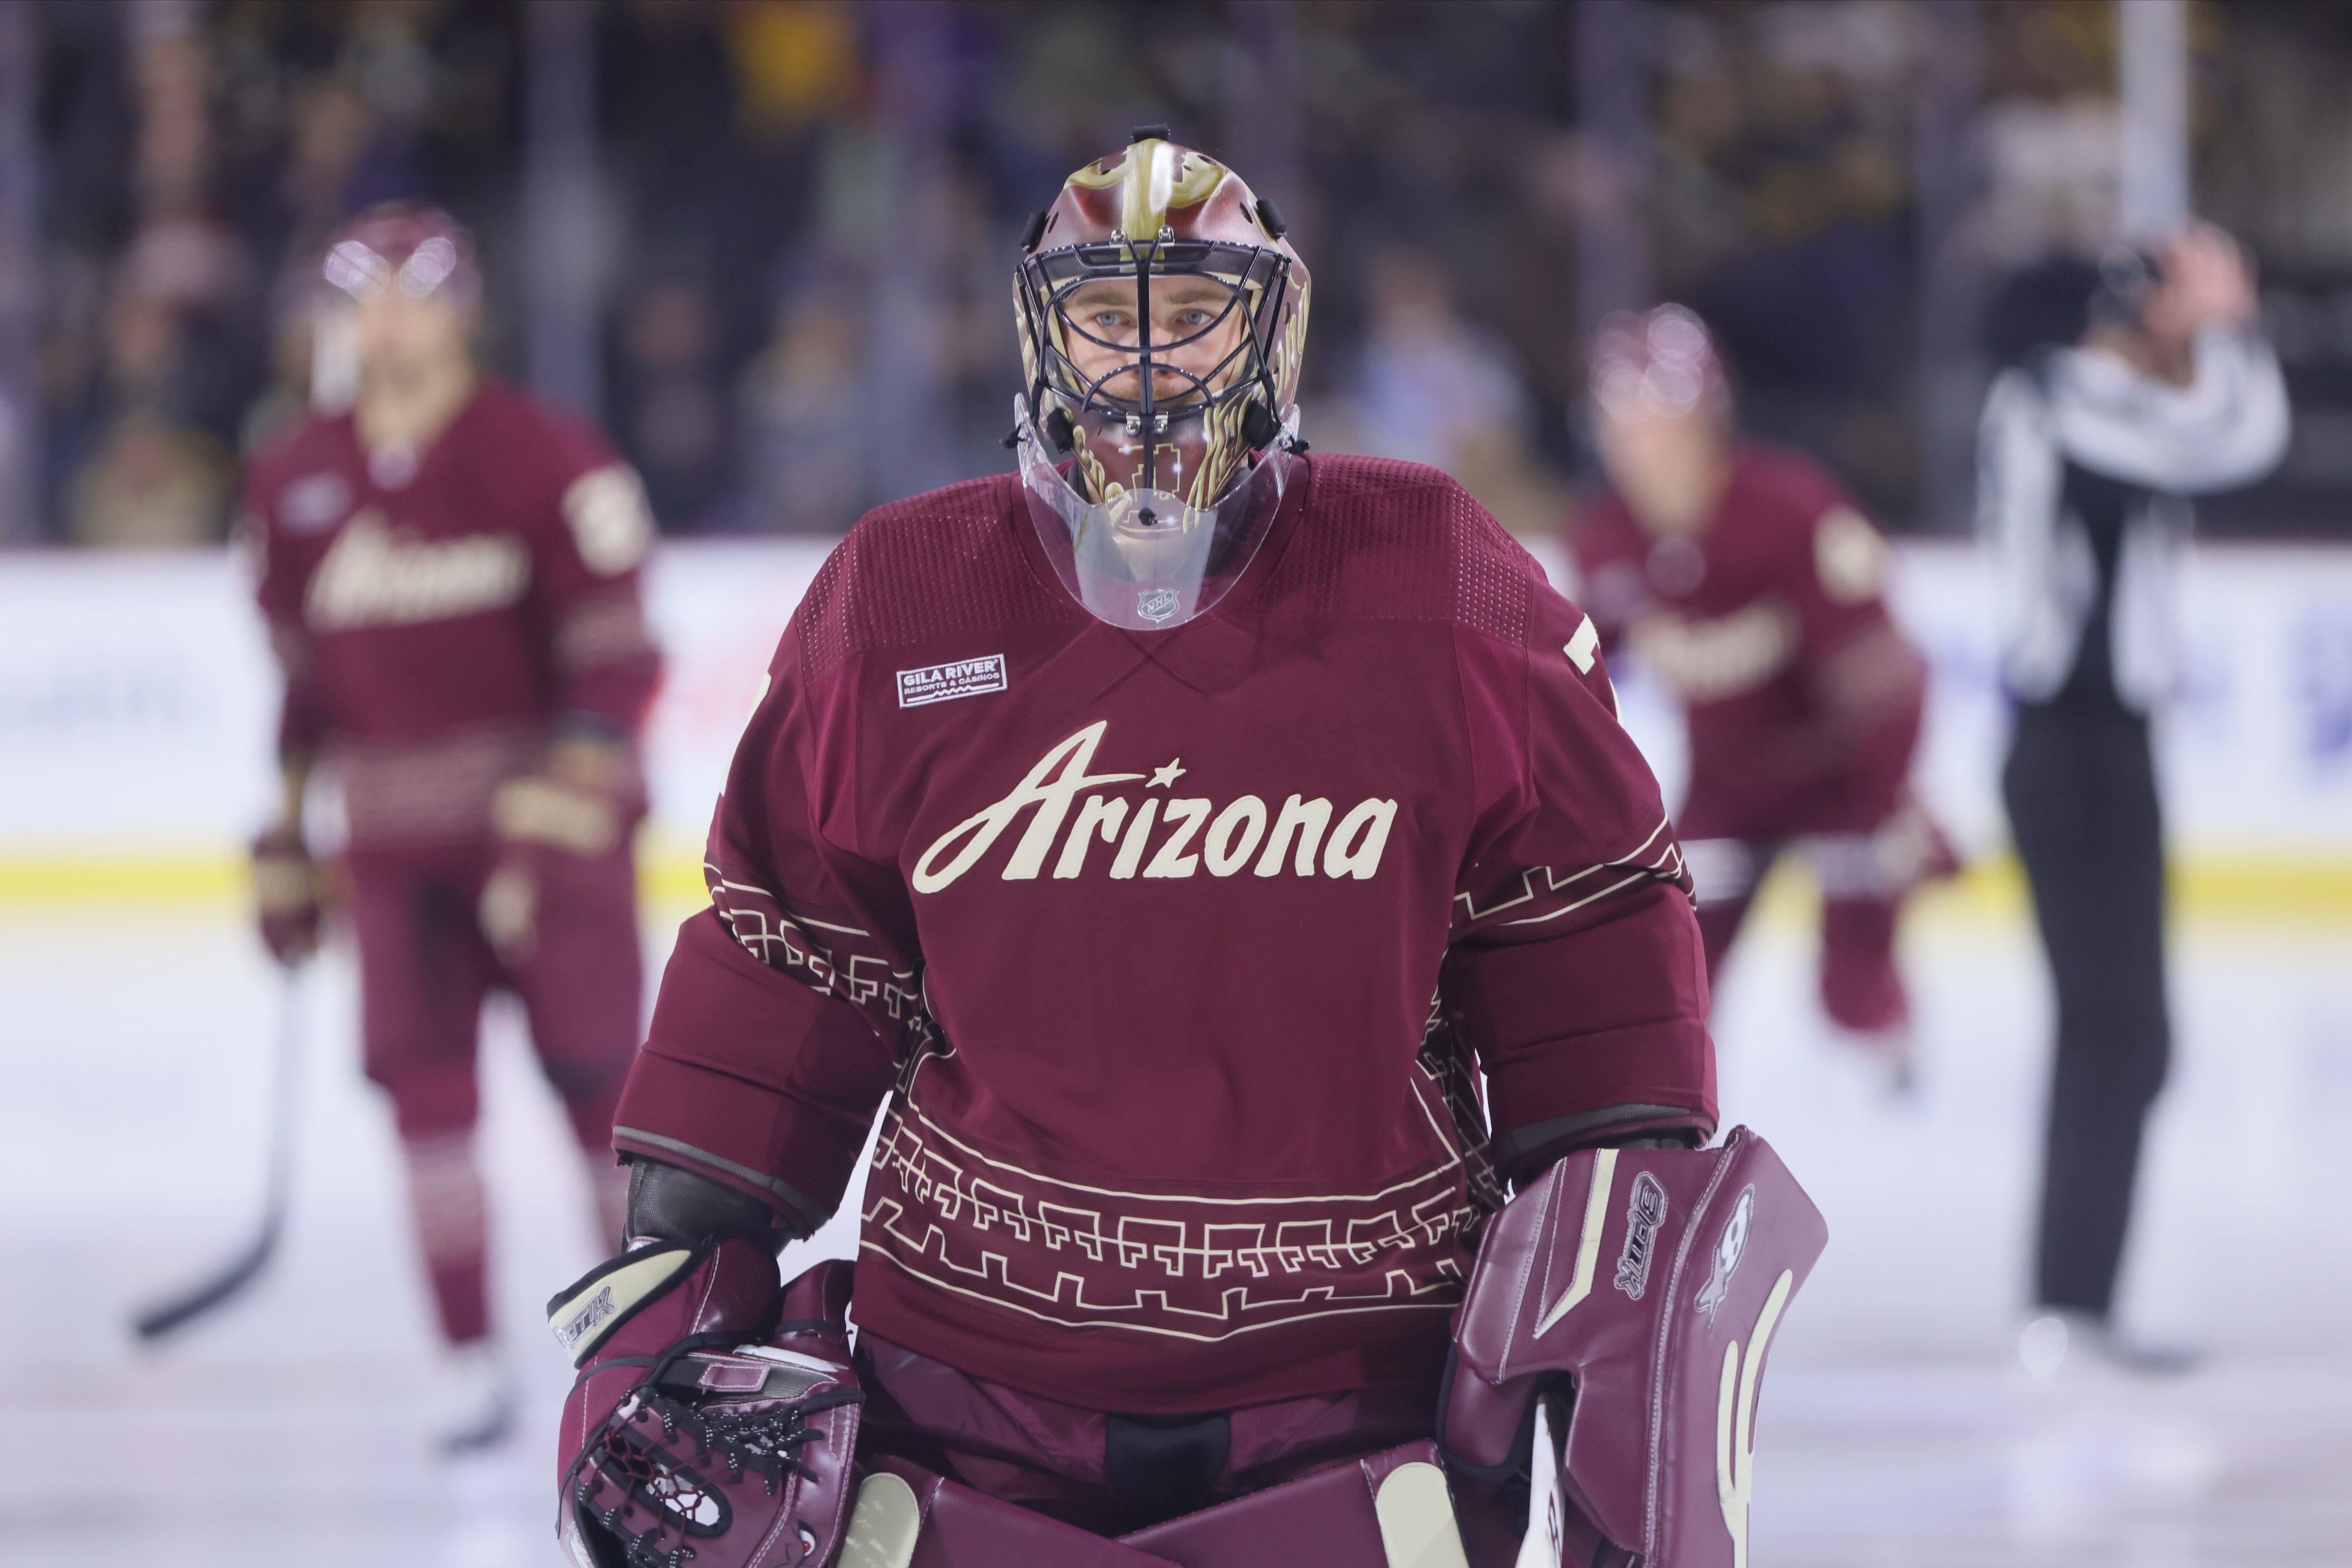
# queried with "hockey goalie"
point(1222, 870)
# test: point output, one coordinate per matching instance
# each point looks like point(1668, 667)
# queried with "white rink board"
point(138, 704)
point(136, 697)
point(2256, 755)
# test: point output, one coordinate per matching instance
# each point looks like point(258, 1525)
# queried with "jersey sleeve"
point(1868, 686)
point(788, 1003)
point(588, 558)
point(278, 588)
point(1574, 972)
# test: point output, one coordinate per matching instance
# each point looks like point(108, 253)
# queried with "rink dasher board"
point(138, 707)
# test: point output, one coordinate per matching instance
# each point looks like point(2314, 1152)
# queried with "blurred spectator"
point(745, 143)
point(151, 483)
point(293, 347)
point(1782, 215)
point(804, 404)
point(667, 414)
point(1433, 388)
point(797, 62)
point(2091, 443)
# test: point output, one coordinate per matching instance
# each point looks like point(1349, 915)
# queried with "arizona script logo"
point(1246, 828)
point(378, 575)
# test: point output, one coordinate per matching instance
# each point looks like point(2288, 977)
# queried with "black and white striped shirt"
point(2079, 431)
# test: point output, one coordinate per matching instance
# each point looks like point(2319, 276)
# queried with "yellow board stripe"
point(208, 879)
point(2298, 892)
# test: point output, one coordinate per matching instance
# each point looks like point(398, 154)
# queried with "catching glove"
point(286, 882)
point(701, 1426)
point(576, 810)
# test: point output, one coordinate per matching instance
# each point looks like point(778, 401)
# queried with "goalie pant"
point(1600, 1402)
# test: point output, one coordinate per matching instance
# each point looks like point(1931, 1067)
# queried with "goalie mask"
point(1162, 317)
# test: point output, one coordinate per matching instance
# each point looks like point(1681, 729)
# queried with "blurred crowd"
point(806, 211)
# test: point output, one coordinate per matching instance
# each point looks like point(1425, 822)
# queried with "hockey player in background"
point(450, 575)
point(1746, 580)
point(1163, 839)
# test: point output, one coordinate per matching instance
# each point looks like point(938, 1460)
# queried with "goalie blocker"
point(1612, 1345)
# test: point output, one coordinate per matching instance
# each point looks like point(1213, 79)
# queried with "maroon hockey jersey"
point(435, 612)
point(1801, 699)
point(1177, 953)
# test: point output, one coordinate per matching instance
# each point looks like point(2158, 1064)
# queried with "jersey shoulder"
point(1386, 541)
point(1600, 529)
point(1786, 488)
point(522, 430)
point(946, 563)
point(314, 444)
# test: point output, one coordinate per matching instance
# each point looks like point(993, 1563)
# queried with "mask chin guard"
point(1144, 558)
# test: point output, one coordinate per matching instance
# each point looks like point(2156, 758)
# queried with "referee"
point(2143, 382)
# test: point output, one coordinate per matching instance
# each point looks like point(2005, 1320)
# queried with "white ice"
point(1897, 1428)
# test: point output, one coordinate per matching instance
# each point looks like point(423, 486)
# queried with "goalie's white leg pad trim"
point(1546, 1530)
point(885, 1526)
point(1588, 1241)
point(1735, 1419)
point(1416, 1515)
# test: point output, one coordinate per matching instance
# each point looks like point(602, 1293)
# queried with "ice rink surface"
point(1897, 1431)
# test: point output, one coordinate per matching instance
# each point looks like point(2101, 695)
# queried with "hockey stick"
point(189, 1305)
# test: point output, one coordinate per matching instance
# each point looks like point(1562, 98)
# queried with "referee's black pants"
point(2080, 786)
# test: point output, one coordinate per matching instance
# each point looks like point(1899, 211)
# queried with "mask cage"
point(1246, 272)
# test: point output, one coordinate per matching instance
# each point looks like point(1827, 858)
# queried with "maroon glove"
point(546, 821)
point(701, 1426)
point(286, 896)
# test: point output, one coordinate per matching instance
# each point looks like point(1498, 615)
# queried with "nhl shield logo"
point(1158, 604)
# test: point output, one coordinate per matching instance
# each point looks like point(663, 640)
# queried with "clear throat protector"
point(1143, 557)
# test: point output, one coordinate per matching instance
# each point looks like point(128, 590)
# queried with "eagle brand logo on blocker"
point(945, 683)
point(1728, 1249)
point(1644, 1215)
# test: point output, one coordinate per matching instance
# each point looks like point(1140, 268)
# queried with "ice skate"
point(471, 1401)
point(2056, 1340)
point(1891, 1058)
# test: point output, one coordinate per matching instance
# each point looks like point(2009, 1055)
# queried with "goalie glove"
point(547, 822)
point(287, 904)
point(703, 1429)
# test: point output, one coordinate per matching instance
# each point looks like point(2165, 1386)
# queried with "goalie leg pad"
point(1646, 1285)
point(908, 1517)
